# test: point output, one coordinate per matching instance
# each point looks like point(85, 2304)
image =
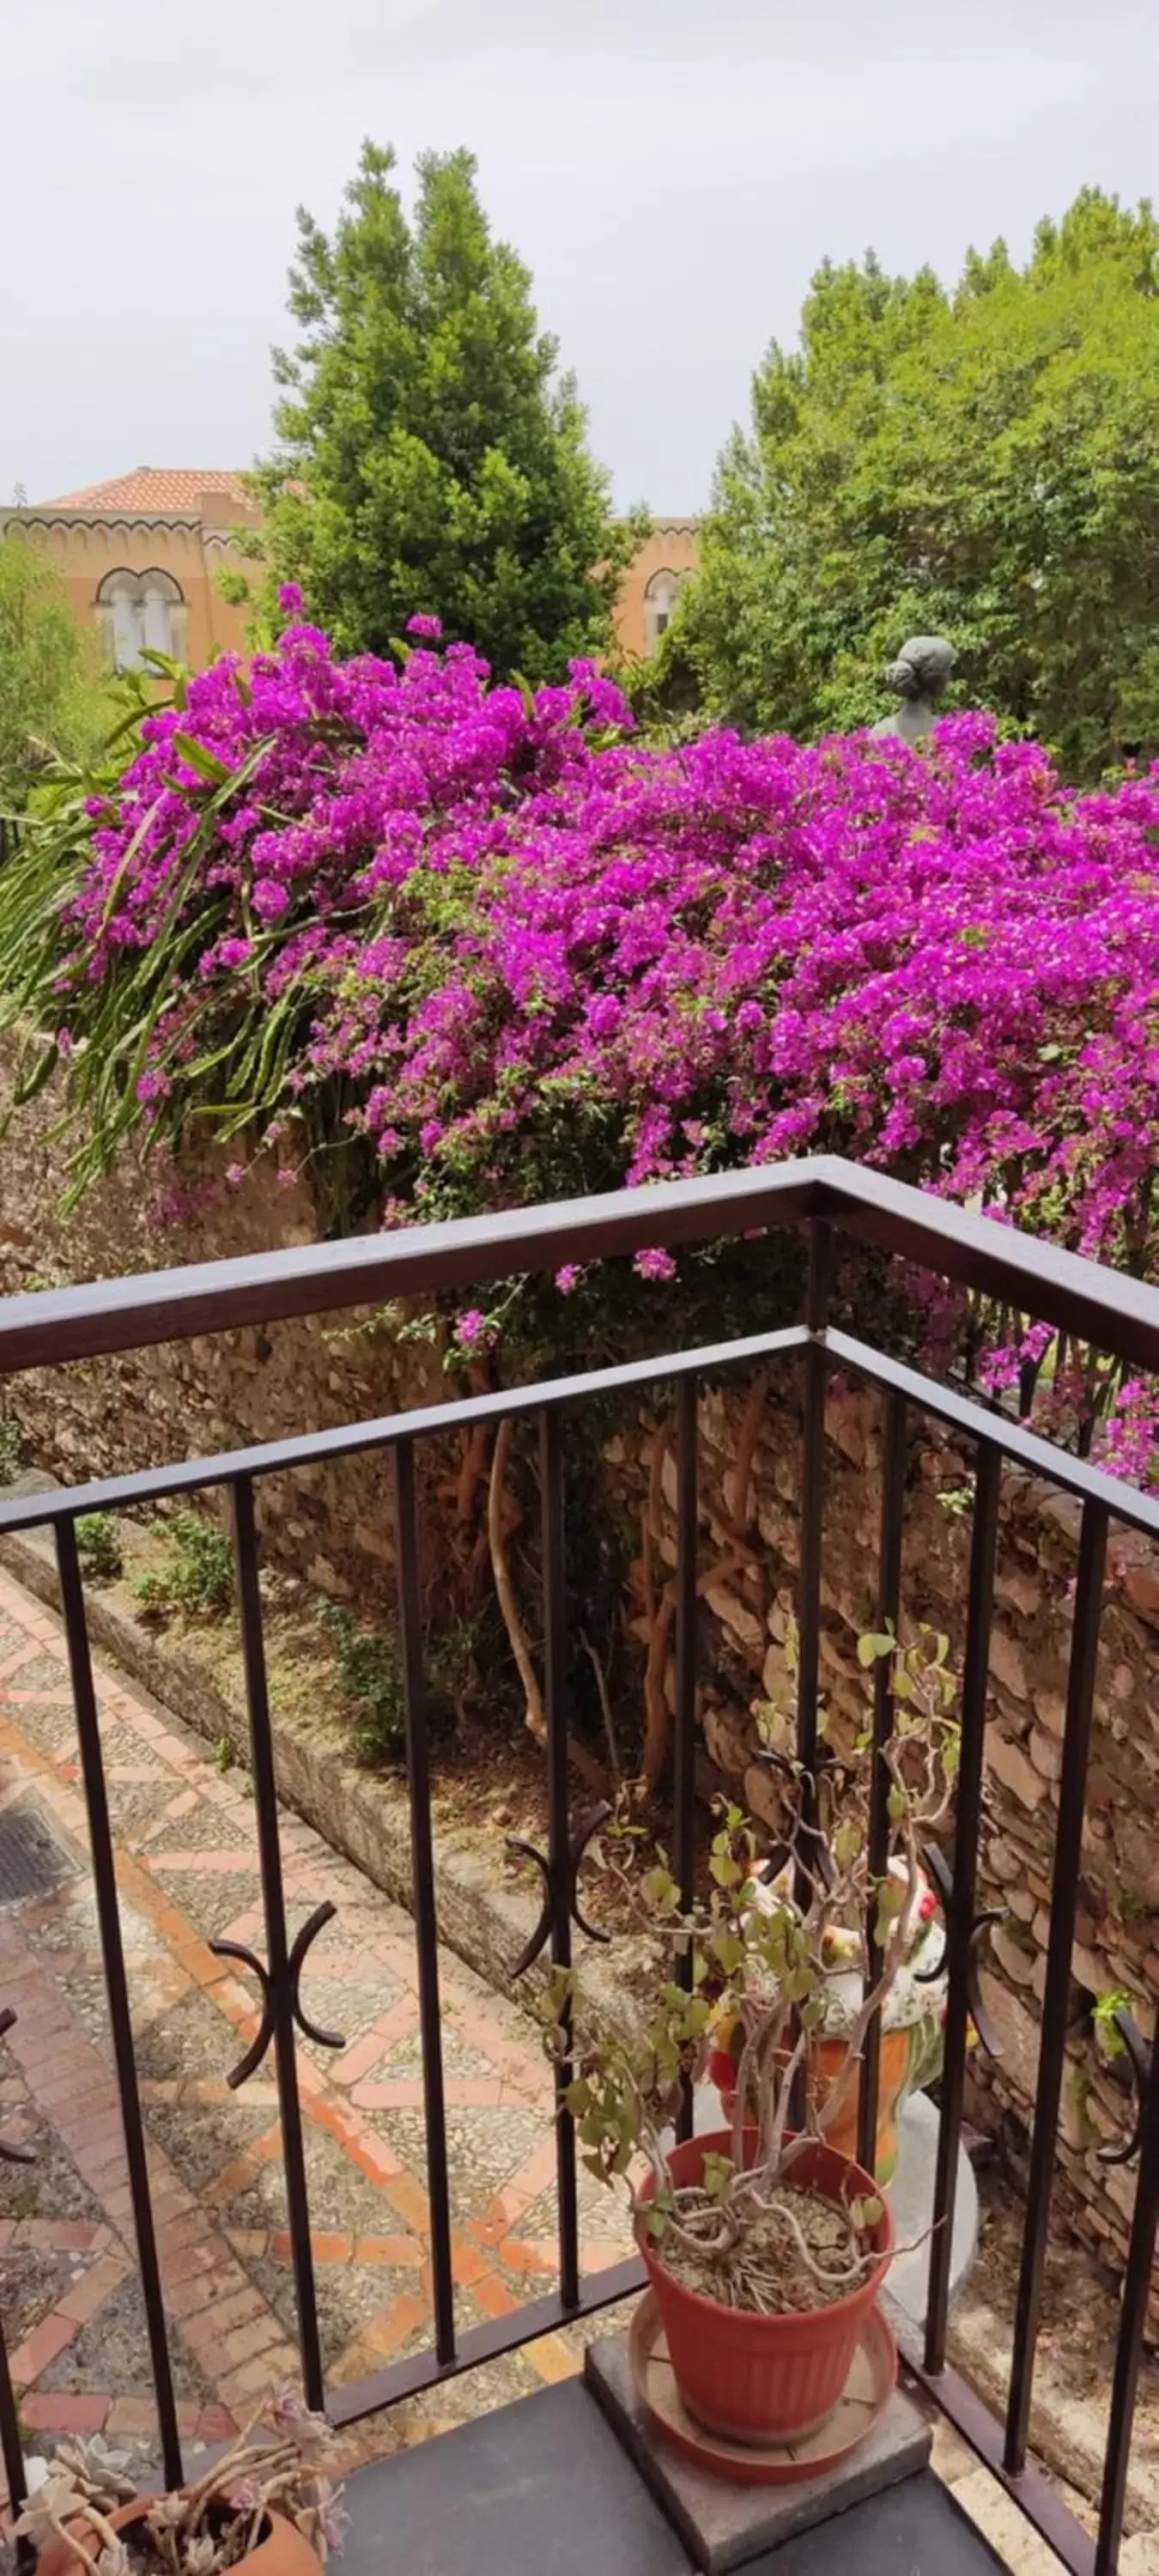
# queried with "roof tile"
point(152, 490)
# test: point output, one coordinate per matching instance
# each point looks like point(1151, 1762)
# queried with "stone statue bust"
point(918, 678)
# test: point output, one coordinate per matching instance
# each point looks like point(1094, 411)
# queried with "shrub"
point(98, 1540)
point(444, 946)
point(370, 1677)
point(197, 1574)
point(369, 1670)
point(52, 698)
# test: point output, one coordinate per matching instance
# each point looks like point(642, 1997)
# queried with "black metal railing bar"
point(1107, 1308)
point(893, 1467)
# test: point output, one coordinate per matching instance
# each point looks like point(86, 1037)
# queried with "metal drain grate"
point(32, 1861)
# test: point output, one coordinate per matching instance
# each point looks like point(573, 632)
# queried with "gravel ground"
point(113, 2351)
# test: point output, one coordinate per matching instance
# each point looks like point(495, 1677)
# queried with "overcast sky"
point(671, 170)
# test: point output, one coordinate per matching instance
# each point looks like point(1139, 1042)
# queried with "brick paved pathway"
point(188, 1873)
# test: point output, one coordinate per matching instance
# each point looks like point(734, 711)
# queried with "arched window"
point(659, 602)
point(141, 612)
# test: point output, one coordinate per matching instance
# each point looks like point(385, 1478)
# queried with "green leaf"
point(890, 1900)
point(1106, 2006)
point(29, 1086)
point(197, 756)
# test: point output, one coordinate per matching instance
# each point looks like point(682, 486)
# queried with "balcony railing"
point(825, 1197)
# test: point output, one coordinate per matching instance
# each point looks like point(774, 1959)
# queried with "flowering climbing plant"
point(442, 945)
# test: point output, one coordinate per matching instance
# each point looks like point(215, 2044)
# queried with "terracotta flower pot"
point(282, 2551)
point(766, 2379)
point(826, 2062)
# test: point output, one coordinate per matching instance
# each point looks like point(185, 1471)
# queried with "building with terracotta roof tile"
point(139, 555)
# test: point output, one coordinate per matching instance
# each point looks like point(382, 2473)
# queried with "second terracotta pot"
point(826, 2063)
point(281, 2552)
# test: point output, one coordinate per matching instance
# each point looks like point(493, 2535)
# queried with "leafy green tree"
point(50, 697)
point(983, 464)
point(430, 460)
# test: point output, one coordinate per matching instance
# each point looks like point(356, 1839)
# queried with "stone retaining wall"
point(331, 1524)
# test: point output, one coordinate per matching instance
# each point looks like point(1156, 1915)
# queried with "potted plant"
point(765, 2243)
point(267, 2504)
point(913, 2012)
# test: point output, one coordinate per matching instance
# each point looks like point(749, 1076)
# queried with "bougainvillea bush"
point(451, 945)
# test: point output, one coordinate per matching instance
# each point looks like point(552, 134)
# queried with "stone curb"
point(361, 1815)
point(1069, 2434)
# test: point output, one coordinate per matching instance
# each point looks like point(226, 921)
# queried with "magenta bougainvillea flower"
point(512, 953)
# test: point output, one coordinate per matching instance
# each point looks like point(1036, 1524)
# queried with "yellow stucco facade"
point(650, 585)
point(139, 555)
point(138, 558)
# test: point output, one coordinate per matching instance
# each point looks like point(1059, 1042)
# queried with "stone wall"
point(333, 1525)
